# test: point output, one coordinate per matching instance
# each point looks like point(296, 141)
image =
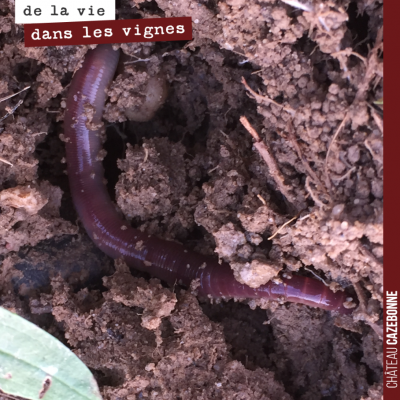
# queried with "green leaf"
point(35, 365)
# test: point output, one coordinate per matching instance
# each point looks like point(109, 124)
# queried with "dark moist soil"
point(192, 174)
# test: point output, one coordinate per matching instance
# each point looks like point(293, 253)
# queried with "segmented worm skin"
point(165, 260)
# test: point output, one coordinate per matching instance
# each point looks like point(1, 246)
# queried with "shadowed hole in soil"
point(358, 26)
point(210, 4)
point(50, 153)
point(108, 377)
point(81, 263)
point(244, 330)
point(27, 71)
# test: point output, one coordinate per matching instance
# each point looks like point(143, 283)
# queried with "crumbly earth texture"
point(299, 191)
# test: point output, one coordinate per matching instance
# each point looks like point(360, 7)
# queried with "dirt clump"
point(184, 355)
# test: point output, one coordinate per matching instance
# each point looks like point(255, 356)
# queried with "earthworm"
point(166, 260)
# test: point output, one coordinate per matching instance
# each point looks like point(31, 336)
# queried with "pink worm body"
point(165, 260)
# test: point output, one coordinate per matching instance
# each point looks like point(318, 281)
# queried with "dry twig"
point(6, 161)
point(14, 94)
point(245, 122)
point(265, 153)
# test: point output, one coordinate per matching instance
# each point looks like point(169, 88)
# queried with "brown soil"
point(192, 174)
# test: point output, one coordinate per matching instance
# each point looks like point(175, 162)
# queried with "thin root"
point(282, 226)
point(317, 276)
point(317, 201)
point(327, 179)
point(344, 176)
point(266, 99)
point(268, 321)
point(348, 52)
point(363, 308)
point(136, 61)
point(367, 144)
